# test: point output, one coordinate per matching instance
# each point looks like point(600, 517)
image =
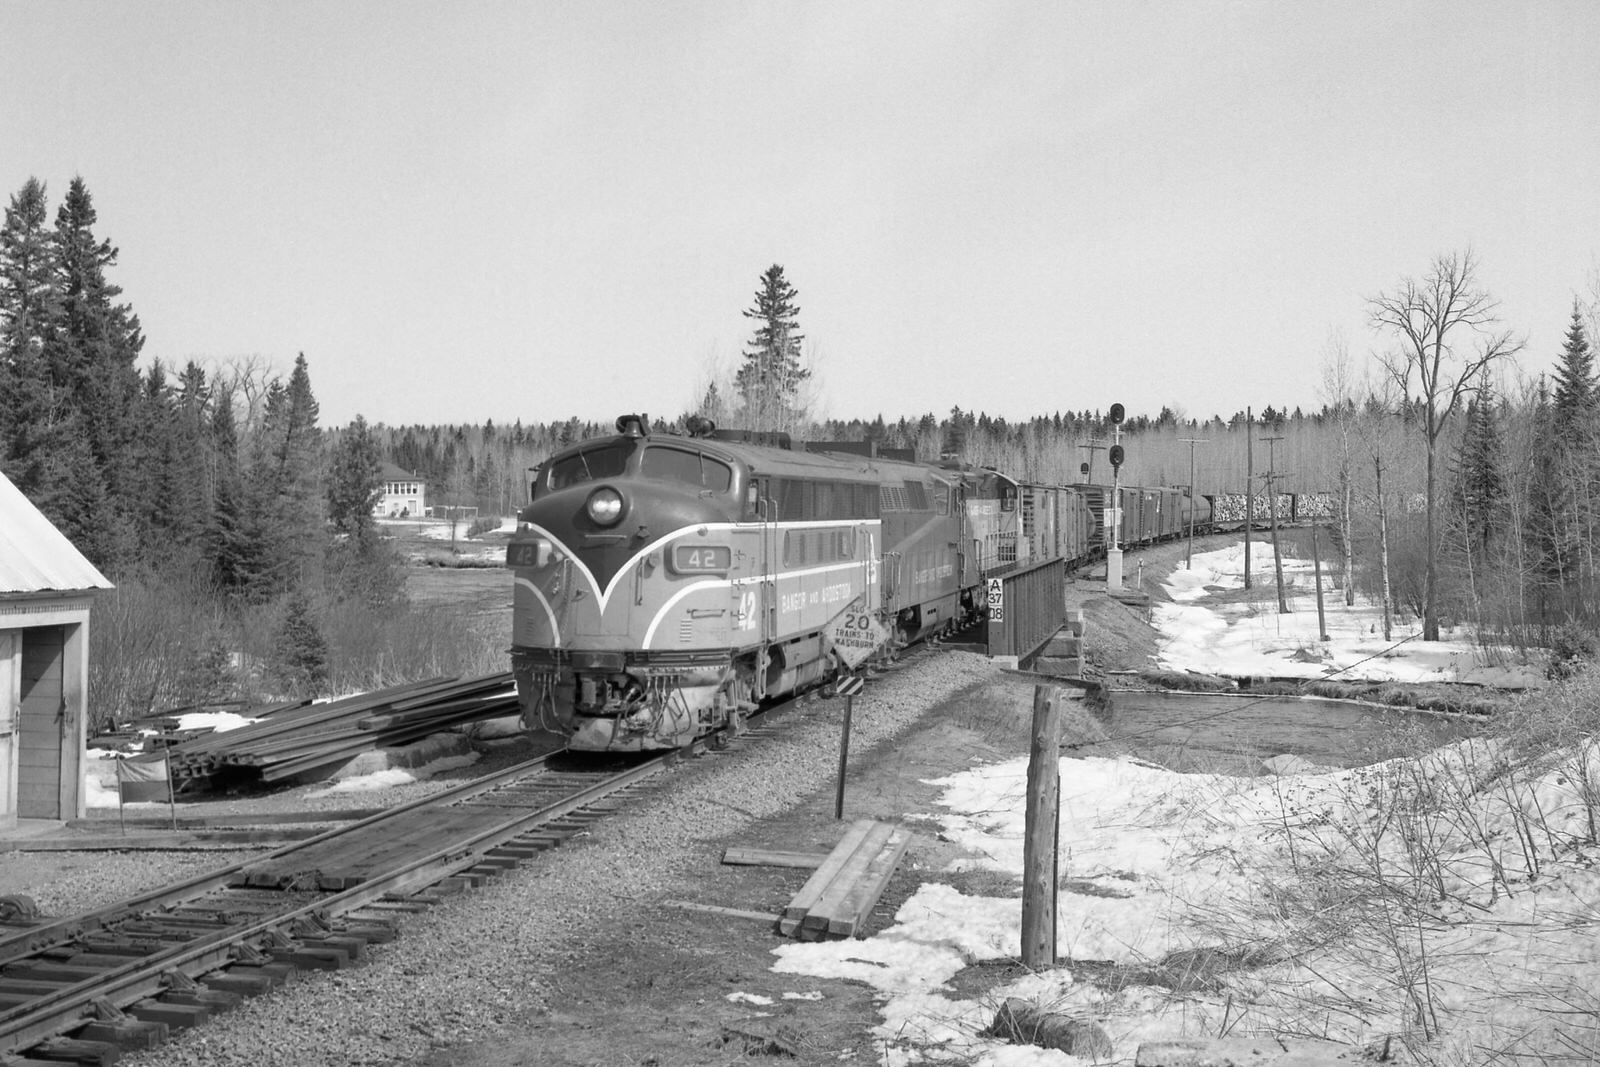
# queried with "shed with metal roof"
point(47, 588)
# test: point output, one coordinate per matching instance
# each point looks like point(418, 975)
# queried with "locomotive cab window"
point(605, 461)
point(691, 468)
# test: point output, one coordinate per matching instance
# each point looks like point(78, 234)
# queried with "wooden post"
point(1040, 833)
point(1316, 563)
point(844, 755)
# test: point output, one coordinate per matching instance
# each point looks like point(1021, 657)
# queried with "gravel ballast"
point(472, 967)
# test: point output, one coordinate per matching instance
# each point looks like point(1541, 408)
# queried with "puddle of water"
point(1203, 732)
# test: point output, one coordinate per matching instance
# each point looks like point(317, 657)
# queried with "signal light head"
point(604, 506)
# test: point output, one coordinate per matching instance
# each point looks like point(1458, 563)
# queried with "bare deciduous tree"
point(1339, 394)
point(1448, 331)
point(247, 379)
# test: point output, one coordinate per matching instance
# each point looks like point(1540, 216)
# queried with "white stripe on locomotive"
point(602, 598)
point(555, 630)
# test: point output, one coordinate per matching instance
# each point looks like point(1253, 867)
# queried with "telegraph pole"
point(1094, 445)
point(1188, 556)
point(1271, 478)
point(1316, 565)
point(1249, 493)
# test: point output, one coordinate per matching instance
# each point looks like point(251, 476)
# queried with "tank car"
point(665, 584)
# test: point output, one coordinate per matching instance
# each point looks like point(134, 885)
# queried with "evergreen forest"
point(240, 532)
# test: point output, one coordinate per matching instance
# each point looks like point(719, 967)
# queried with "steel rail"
point(35, 939)
point(147, 976)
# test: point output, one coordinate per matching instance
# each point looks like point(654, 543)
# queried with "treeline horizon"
point(1039, 448)
point(212, 491)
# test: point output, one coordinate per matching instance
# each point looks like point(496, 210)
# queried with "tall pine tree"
point(68, 386)
point(234, 547)
point(157, 451)
point(768, 382)
point(30, 413)
point(100, 342)
point(284, 500)
point(355, 482)
point(361, 565)
point(1577, 391)
point(191, 468)
point(1480, 486)
point(1564, 493)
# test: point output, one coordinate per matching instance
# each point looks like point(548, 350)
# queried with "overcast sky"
point(466, 210)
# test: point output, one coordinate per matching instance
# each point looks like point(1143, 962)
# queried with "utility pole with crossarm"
point(1188, 556)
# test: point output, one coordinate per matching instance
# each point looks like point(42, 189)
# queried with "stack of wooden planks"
point(840, 894)
point(296, 740)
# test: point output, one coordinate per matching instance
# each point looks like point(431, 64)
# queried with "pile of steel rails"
point(300, 739)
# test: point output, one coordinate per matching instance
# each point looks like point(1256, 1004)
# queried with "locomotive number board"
point(701, 559)
point(528, 554)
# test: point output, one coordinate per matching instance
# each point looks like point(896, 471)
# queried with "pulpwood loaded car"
point(666, 583)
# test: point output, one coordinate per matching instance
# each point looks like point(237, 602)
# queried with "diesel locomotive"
point(667, 583)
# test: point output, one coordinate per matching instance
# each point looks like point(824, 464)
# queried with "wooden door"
point(10, 695)
point(39, 733)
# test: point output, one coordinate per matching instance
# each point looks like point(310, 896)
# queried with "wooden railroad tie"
point(840, 894)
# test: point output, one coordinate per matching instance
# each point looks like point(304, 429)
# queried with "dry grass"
point(163, 642)
point(1431, 696)
point(1406, 903)
point(1400, 873)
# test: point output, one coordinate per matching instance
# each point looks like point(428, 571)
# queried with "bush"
point(299, 655)
point(157, 641)
point(373, 649)
point(1187, 681)
point(370, 571)
point(166, 640)
point(487, 524)
point(1572, 647)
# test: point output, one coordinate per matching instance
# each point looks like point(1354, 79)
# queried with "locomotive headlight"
point(604, 506)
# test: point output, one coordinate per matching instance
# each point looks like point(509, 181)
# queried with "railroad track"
point(123, 976)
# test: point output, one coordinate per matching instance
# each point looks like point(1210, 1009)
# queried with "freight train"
point(667, 583)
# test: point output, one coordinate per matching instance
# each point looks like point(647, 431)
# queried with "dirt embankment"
point(1119, 636)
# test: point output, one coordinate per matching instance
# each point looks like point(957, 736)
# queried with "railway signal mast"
point(1114, 507)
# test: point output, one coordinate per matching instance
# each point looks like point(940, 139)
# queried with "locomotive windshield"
point(602, 461)
point(692, 468)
